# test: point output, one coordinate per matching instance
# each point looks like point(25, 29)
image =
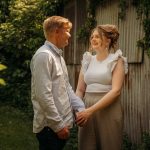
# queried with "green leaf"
point(2, 82)
point(2, 67)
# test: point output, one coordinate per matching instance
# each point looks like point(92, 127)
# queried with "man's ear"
point(57, 31)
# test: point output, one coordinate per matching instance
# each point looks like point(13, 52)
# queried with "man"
point(52, 96)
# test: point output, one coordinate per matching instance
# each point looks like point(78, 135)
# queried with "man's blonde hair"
point(55, 22)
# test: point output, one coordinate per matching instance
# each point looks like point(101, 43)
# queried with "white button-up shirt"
point(51, 94)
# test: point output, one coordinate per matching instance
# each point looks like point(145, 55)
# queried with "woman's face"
point(98, 42)
point(95, 40)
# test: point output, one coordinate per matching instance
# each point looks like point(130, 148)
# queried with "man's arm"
point(76, 102)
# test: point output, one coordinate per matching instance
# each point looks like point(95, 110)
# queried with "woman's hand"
point(83, 116)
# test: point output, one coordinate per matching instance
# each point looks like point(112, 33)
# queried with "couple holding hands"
point(96, 103)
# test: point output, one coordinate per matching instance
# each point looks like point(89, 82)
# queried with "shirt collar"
point(57, 50)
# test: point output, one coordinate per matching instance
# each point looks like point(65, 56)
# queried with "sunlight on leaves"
point(2, 82)
point(2, 67)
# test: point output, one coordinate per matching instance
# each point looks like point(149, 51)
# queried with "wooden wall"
point(76, 12)
point(135, 94)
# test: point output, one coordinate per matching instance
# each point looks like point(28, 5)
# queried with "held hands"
point(82, 117)
point(63, 133)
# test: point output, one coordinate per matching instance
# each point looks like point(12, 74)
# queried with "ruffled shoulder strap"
point(87, 56)
point(115, 57)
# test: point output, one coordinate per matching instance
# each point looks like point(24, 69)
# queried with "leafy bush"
point(2, 67)
point(21, 35)
point(72, 143)
point(16, 130)
point(144, 145)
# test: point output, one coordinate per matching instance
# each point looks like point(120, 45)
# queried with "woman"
point(100, 82)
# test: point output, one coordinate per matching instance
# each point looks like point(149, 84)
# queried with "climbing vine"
point(143, 12)
point(123, 7)
point(90, 23)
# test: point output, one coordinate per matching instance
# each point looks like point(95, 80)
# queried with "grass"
point(16, 133)
point(16, 130)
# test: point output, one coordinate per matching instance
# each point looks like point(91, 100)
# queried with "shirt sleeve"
point(76, 102)
point(42, 68)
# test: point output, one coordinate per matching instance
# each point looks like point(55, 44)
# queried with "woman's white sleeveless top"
point(98, 74)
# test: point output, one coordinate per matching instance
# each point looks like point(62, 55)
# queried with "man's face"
point(63, 36)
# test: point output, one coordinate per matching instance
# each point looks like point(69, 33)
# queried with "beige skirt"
point(104, 129)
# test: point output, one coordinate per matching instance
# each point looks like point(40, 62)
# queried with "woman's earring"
point(106, 48)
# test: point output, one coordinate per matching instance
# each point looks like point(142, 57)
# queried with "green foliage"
point(144, 145)
point(127, 144)
point(16, 36)
point(16, 130)
point(4, 11)
point(143, 13)
point(21, 35)
point(123, 6)
point(72, 143)
point(16, 127)
point(84, 32)
point(2, 67)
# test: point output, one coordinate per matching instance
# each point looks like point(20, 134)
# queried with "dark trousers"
point(48, 140)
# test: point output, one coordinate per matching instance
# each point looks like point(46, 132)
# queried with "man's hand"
point(63, 133)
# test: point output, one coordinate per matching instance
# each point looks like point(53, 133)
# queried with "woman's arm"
point(109, 98)
point(81, 85)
